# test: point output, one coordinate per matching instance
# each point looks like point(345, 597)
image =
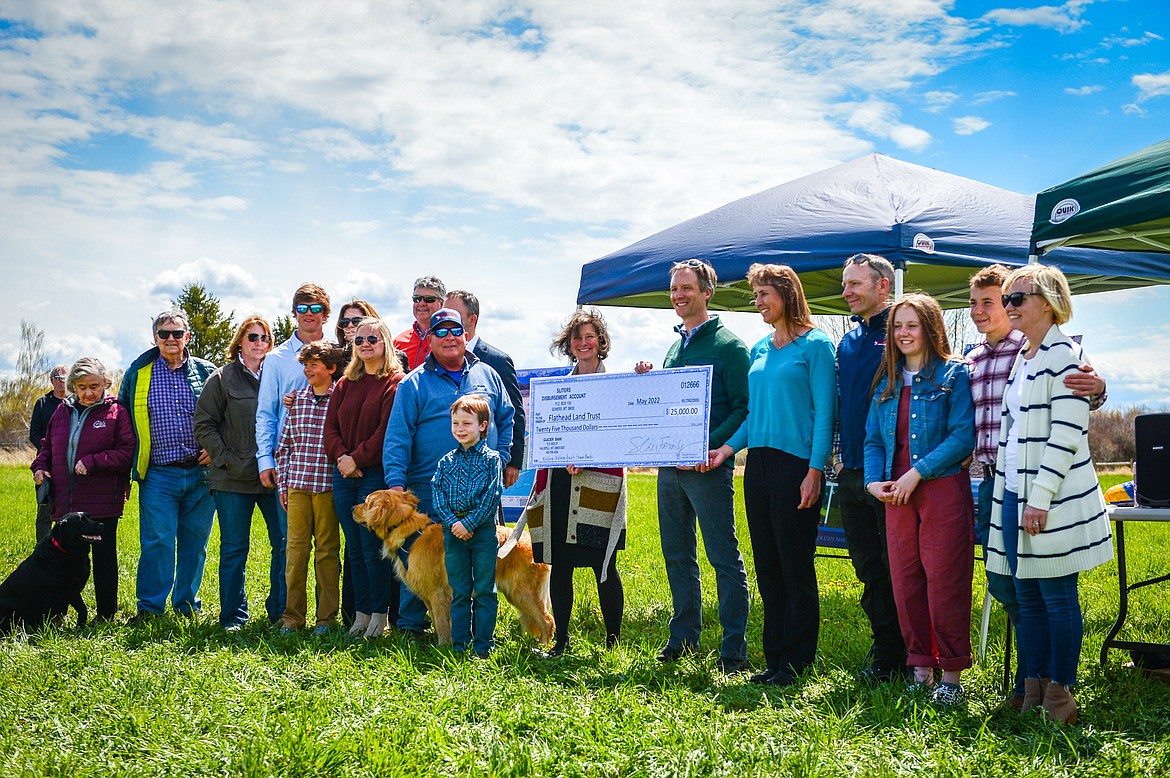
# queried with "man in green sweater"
point(706, 494)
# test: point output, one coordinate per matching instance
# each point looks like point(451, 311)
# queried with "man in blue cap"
point(419, 432)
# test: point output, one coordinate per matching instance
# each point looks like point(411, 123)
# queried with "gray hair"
point(878, 265)
point(57, 370)
point(84, 367)
point(430, 282)
point(175, 314)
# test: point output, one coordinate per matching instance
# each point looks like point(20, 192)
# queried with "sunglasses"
point(258, 336)
point(167, 334)
point(308, 307)
point(1016, 299)
point(57, 377)
point(429, 299)
point(442, 332)
point(360, 339)
point(355, 320)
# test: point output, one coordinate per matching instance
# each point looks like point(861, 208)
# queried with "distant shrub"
point(1111, 433)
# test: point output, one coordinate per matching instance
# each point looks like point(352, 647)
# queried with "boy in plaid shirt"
point(466, 496)
point(304, 478)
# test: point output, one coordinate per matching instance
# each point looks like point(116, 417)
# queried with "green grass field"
point(182, 697)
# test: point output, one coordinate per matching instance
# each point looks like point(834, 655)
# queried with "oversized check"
point(659, 418)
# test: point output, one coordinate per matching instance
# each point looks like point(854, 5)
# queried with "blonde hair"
point(1049, 283)
point(390, 364)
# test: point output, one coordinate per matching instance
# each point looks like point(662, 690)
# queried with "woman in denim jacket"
point(920, 428)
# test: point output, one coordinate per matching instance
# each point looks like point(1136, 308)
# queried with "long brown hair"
point(368, 312)
point(784, 280)
point(938, 347)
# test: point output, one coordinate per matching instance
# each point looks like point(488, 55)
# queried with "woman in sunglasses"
point(355, 428)
point(347, 323)
point(1048, 521)
point(225, 426)
point(85, 454)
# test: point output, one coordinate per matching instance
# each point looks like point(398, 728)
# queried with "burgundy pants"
point(931, 545)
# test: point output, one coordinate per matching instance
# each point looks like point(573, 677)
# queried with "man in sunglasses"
point(160, 389)
point(283, 373)
point(419, 432)
point(38, 423)
point(428, 297)
point(466, 305)
point(991, 364)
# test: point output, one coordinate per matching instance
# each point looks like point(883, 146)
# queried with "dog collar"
point(59, 547)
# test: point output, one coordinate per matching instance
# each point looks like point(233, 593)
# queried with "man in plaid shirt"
point(991, 364)
point(304, 479)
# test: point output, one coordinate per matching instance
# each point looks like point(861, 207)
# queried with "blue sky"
point(253, 146)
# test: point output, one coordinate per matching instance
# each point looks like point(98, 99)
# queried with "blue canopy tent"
point(935, 227)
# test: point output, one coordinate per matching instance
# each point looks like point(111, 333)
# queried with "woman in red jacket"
point(355, 427)
point(86, 456)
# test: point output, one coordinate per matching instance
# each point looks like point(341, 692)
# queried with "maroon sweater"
point(355, 423)
point(105, 446)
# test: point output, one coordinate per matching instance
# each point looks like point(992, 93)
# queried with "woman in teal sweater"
point(792, 405)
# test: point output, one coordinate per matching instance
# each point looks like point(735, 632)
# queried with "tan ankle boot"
point(1059, 704)
point(1034, 689)
point(379, 622)
point(361, 621)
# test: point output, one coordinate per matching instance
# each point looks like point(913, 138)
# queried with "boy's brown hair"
point(475, 405)
point(324, 352)
point(992, 275)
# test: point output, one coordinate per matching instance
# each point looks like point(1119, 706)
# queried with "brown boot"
point(1059, 704)
point(1034, 689)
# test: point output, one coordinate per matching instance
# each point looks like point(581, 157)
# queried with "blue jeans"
point(235, 511)
point(412, 612)
point(175, 517)
point(1051, 625)
point(471, 572)
point(370, 572)
point(1000, 587)
point(683, 497)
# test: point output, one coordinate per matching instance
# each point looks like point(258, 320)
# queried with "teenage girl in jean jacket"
point(920, 428)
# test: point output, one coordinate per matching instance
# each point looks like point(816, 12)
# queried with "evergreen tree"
point(211, 331)
point(282, 329)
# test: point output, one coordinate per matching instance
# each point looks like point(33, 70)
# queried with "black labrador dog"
point(52, 578)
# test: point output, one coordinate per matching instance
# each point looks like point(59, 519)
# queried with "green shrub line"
point(182, 697)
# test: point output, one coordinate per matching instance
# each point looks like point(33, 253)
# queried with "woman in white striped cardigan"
point(1048, 521)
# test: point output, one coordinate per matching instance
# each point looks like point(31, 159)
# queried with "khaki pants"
point(312, 522)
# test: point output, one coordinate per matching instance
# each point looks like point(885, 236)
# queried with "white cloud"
point(1082, 91)
point(881, 120)
point(1064, 18)
point(987, 97)
point(938, 101)
point(220, 278)
point(353, 230)
point(1117, 40)
point(1152, 85)
point(969, 125)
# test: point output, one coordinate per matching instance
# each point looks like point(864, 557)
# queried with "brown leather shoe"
point(1015, 702)
point(1059, 704)
point(1034, 689)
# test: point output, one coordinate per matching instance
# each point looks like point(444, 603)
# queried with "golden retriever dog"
point(394, 517)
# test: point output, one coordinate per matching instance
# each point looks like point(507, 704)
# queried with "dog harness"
point(404, 550)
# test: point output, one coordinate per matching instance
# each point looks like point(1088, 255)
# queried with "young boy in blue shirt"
point(466, 491)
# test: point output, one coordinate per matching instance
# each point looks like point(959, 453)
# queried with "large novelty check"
point(659, 418)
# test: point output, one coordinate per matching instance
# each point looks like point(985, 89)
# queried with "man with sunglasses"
point(466, 305)
point(38, 423)
point(419, 432)
point(991, 364)
point(283, 373)
point(160, 389)
point(428, 297)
